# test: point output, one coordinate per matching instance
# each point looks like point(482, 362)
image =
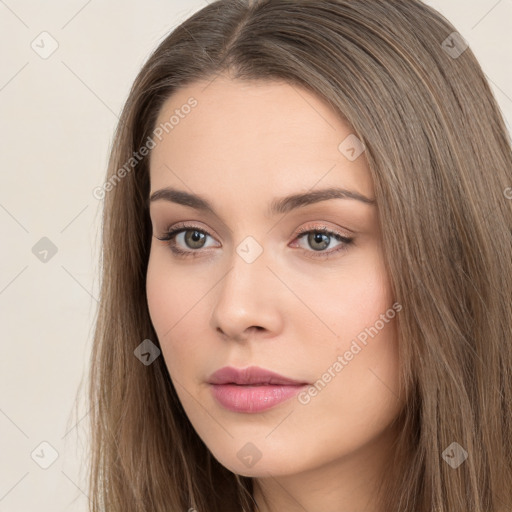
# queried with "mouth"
point(253, 389)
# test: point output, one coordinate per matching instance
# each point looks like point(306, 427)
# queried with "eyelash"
point(170, 237)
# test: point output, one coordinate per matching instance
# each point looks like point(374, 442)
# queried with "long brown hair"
point(441, 162)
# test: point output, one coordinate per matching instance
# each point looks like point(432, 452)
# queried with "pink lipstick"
point(252, 389)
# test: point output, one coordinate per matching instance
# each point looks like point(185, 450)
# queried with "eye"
point(193, 237)
point(319, 238)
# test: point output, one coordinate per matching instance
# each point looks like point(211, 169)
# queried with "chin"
point(261, 468)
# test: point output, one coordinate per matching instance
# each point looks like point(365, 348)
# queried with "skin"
point(244, 144)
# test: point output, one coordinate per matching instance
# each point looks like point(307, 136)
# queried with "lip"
point(251, 376)
point(252, 389)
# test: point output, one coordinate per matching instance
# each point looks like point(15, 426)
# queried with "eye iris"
point(192, 237)
point(320, 238)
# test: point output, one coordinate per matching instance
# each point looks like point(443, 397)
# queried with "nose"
point(248, 301)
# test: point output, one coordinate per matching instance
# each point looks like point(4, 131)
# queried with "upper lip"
point(250, 376)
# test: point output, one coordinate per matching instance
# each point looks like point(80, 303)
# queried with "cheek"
point(351, 302)
point(356, 385)
point(366, 351)
point(160, 294)
point(172, 290)
point(356, 357)
point(174, 296)
point(164, 291)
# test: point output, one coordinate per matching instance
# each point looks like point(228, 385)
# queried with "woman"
point(307, 281)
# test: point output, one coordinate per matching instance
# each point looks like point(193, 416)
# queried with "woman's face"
point(252, 290)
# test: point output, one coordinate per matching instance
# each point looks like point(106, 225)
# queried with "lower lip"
point(253, 399)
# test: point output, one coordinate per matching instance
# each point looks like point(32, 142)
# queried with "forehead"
point(253, 136)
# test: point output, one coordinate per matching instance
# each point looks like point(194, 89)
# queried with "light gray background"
point(57, 117)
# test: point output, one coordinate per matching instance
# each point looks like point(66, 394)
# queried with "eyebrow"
point(277, 206)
